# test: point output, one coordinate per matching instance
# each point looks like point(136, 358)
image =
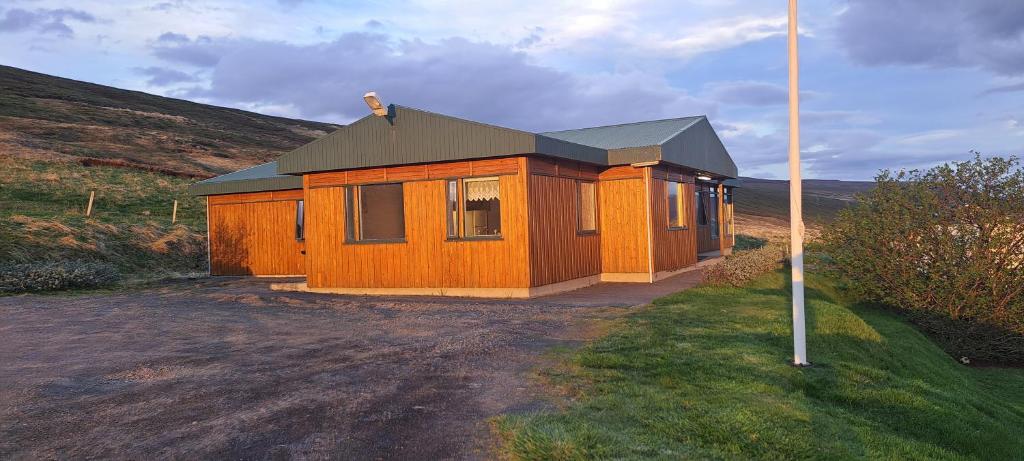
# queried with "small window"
point(713, 211)
point(300, 221)
point(376, 212)
point(452, 208)
point(587, 206)
point(702, 214)
point(482, 207)
point(676, 205)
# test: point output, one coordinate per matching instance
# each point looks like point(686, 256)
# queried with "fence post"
point(174, 213)
point(88, 210)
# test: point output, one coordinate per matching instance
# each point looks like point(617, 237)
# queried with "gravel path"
point(225, 368)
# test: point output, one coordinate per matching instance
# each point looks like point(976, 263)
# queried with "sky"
point(885, 84)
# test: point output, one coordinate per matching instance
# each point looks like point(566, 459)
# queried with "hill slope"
point(703, 374)
point(762, 205)
point(43, 117)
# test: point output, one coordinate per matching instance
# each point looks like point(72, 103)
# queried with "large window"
point(586, 202)
point(676, 205)
point(478, 209)
point(300, 221)
point(376, 213)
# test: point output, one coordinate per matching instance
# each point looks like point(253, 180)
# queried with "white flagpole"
point(796, 222)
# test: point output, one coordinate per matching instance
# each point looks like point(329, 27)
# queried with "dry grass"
point(42, 207)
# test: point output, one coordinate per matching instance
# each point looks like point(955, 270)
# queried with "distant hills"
point(53, 118)
point(49, 118)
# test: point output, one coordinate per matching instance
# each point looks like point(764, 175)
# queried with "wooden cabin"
point(421, 203)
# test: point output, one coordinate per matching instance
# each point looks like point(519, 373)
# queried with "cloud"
point(162, 76)
point(719, 35)
point(46, 21)
point(1004, 89)
point(178, 48)
point(753, 93)
point(475, 80)
point(987, 34)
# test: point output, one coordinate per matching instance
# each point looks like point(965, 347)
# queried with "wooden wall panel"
point(623, 219)
point(558, 252)
point(426, 259)
point(673, 248)
point(404, 173)
point(253, 236)
point(728, 221)
point(621, 172)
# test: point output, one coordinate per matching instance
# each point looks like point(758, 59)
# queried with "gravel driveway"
point(225, 368)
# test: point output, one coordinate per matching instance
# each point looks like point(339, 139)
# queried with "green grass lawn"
point(704, 374)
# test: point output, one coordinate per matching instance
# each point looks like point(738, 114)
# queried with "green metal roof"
point(255, 179)
point(409, 136)
point(638, 134)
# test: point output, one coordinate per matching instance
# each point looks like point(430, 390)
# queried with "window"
point(481, 213)
point(713, 211)
point(702, 213)
point(452, 208)
point(676, 205)
point(727, 196)
point(300, 222)
point(586, 203)
point(376, 213)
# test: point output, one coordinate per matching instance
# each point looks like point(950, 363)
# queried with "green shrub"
point(946, 247)
point(748, 242)
point(744, 266)
point(56, 275)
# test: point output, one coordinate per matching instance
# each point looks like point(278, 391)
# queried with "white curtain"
point(482, 190)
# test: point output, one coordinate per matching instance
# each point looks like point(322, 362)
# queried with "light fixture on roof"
point(704, 177)
point(375, 104)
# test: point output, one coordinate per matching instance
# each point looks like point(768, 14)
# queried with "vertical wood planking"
point(674, 248)
point(622, 225)
point(254, 237)
point(426, 259)
point(557, 251)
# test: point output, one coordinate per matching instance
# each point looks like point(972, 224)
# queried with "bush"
point(748, 242)
point(945, 246)
point(56, 275)
point(744, 266)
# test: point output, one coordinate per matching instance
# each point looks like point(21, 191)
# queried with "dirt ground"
point(225, 368)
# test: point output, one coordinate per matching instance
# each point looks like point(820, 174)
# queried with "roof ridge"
point(629, 123)
point(687, 127)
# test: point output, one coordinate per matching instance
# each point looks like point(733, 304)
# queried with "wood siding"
point(558, 251)
point(254, 234)
point(674, 248)
point(426, 259)
point(728, 222)
point(622, 223)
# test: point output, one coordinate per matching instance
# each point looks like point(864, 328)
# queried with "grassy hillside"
point(822, 198)
point(42, 217)
point(762, 205)
point(704, 374)
point(51, 118)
